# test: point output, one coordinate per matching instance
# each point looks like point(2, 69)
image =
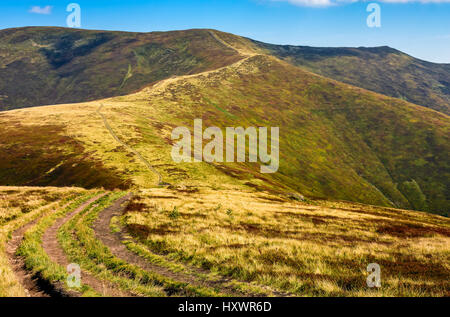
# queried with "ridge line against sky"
point(420, 28)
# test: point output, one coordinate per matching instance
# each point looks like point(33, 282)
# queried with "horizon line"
point(209, 29)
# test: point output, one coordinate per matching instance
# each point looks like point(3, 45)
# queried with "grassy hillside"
point(44, 155)
point(380, 69)
point(164, 242)
point(336, 141)
point(43, 65)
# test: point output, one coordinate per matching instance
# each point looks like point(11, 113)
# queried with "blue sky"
point(418, 27)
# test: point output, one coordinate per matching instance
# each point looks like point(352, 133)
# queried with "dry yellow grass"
point(133, 122)
point(317, 249)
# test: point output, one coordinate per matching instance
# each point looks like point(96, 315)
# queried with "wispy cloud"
point(328, 3)
point(39, 10)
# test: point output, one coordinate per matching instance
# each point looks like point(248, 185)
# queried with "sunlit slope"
point(49, 65)
point(336, 141)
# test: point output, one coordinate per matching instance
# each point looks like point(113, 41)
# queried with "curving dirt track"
point(32, 285)
point(35, 286)
point(57, 255)
point(114, 241)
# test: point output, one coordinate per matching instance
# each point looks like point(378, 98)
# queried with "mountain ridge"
point(380, 69)
point(119, 63)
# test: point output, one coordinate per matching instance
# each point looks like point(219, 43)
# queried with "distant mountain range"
point(380, 69)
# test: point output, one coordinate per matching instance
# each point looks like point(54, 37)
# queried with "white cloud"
point(328, 3)
point(39, 10)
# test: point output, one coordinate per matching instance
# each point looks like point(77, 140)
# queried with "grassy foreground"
point(257, 242)
point(79, 241)
point(317, 249)
point(36, 259)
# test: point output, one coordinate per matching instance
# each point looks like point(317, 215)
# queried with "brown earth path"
point(114, 241)
point(57, 255)
point(139, 155)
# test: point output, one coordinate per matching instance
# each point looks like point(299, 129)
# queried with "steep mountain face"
point(336, 141)
point(41, 66)
point(380, 69)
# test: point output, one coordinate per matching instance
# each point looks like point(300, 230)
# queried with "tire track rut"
point(114, 242)
point(56, 253)
point(32, 285)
